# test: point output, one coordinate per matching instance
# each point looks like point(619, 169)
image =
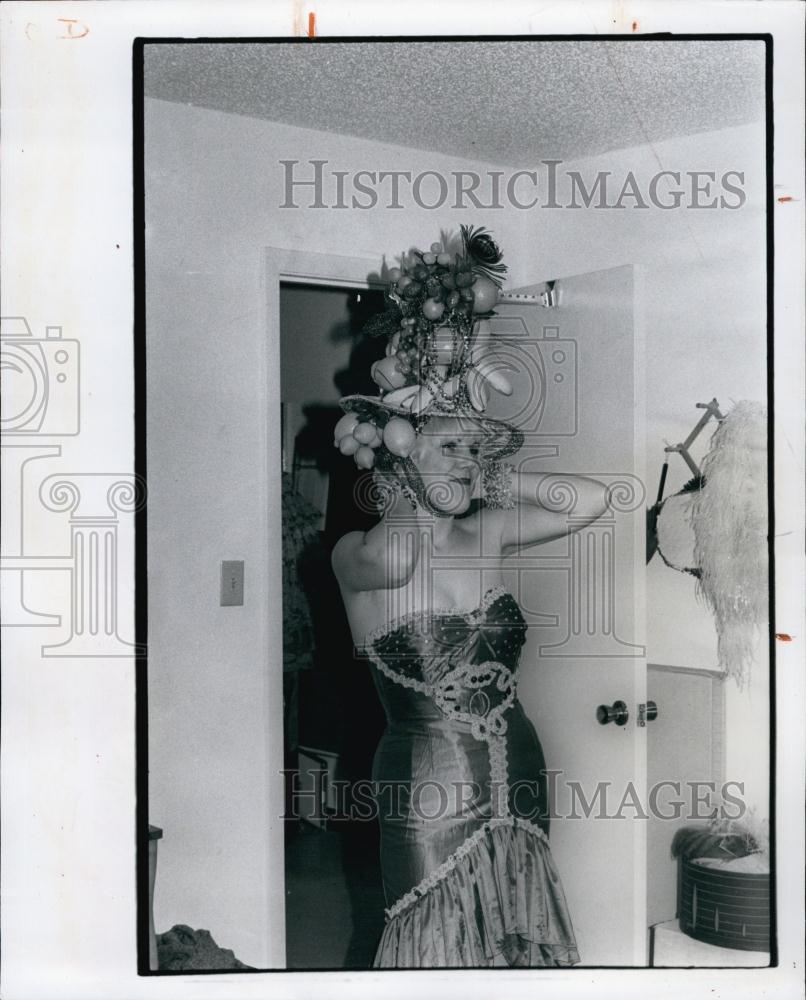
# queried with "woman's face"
point(448, 457)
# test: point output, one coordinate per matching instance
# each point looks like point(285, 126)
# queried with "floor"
point(334, 896)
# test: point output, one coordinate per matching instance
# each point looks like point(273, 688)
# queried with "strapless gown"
point(468, 875)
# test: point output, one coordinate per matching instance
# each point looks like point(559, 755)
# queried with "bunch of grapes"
point(435, 289)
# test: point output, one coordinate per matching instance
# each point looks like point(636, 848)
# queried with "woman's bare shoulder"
point(345, 549)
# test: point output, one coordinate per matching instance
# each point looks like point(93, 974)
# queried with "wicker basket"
point(723, 907)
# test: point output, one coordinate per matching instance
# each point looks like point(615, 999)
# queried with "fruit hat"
point(439, 361)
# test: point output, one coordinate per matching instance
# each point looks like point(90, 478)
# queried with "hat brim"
point(499, 438)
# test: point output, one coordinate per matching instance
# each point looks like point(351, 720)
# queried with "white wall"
point(705, 307)
point(705, 321)
point(212, 189)
point(213, 185)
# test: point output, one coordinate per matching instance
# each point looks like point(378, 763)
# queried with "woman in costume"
point(468, 875)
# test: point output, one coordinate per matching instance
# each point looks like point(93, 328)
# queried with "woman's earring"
point(496, 480)
point(402, 485)
point(387, 494)
point(409, 494)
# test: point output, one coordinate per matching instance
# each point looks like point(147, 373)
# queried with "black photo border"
point(140, 454)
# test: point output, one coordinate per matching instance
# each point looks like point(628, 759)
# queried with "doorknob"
point(617, 712)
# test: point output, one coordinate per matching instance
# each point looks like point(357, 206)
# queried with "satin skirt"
point(467, 883)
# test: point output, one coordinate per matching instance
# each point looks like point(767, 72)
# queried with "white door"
point(581, 407)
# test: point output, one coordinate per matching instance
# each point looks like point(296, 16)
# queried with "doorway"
point(332, 717)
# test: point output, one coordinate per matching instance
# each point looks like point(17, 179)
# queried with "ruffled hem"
point(496, 901)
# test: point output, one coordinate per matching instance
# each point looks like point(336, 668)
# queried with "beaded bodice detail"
point(422, 649)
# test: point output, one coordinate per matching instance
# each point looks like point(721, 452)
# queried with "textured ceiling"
point(509, 103)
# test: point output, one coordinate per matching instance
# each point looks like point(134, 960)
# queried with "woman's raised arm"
point(548, 506)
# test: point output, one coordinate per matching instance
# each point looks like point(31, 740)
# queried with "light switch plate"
point(231, 582)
